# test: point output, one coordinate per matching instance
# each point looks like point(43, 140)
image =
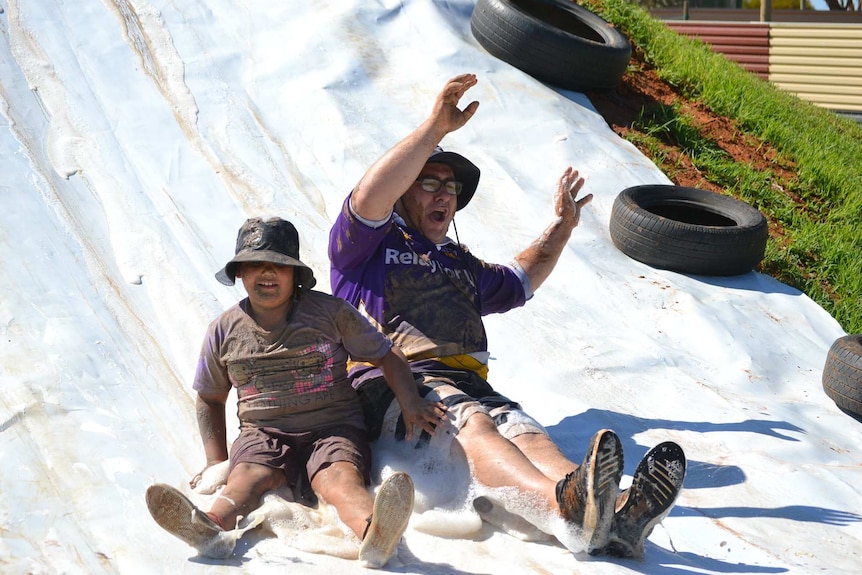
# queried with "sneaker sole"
point(606, 472)
point(587, 496)
point(175, 513)
point(393, 506)
point(656, 484)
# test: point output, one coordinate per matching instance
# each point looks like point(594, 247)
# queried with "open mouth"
point(438, 216)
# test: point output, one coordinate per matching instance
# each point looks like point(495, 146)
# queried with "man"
point(284, 348)
point(392, 259)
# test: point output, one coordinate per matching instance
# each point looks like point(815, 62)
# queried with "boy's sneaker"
point(587, 495)
point(657, 482)
point(177, 515)
point(393, 506)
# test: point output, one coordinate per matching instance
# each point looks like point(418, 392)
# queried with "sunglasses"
point(433, 185)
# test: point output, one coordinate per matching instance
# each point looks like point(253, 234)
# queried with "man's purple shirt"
point(428, 299)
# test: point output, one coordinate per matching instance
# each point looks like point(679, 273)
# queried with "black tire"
point(842, 374)
point(555, 41)
point(688, 230)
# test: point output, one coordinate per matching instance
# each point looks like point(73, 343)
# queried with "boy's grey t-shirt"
point(295, 380)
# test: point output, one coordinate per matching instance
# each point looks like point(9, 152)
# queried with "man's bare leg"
point(544, 454)
point(584, 497)
point(497, 462)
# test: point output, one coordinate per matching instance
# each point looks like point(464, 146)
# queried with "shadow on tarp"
point(405, 557)
point(660, 561)
point(576, 431)
point(802, 513)
point(751, 281)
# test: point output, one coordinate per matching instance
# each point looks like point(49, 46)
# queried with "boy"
point(285, 349)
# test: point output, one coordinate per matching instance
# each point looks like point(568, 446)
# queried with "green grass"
point(819, 247)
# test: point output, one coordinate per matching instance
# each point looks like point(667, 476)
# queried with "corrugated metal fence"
point(818, 62)
point(746, 43)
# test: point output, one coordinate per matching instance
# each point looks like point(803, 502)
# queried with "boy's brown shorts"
point(302, 455)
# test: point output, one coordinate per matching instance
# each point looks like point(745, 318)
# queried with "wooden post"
point(765, 10)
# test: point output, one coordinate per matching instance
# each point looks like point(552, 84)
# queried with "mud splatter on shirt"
point(295, 379)
point(428, 299)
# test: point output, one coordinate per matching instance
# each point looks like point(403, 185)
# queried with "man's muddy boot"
point(587, 495)
point(656, 484)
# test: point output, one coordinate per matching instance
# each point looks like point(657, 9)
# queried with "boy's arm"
point(210, 410)
point(415, 410)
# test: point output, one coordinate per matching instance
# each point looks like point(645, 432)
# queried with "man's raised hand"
point(446, 113)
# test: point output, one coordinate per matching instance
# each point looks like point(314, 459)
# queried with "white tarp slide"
point(136, 136)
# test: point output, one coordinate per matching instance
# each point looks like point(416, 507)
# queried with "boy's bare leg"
point(342, 486)
point(246, 484)
point(379, 523)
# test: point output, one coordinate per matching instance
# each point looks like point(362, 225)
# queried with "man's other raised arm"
point(539, 259)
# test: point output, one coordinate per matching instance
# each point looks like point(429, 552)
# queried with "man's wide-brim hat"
point(464, 170)
point(267, 240)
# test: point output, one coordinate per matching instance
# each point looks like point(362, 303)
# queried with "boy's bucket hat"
point(272, 240)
